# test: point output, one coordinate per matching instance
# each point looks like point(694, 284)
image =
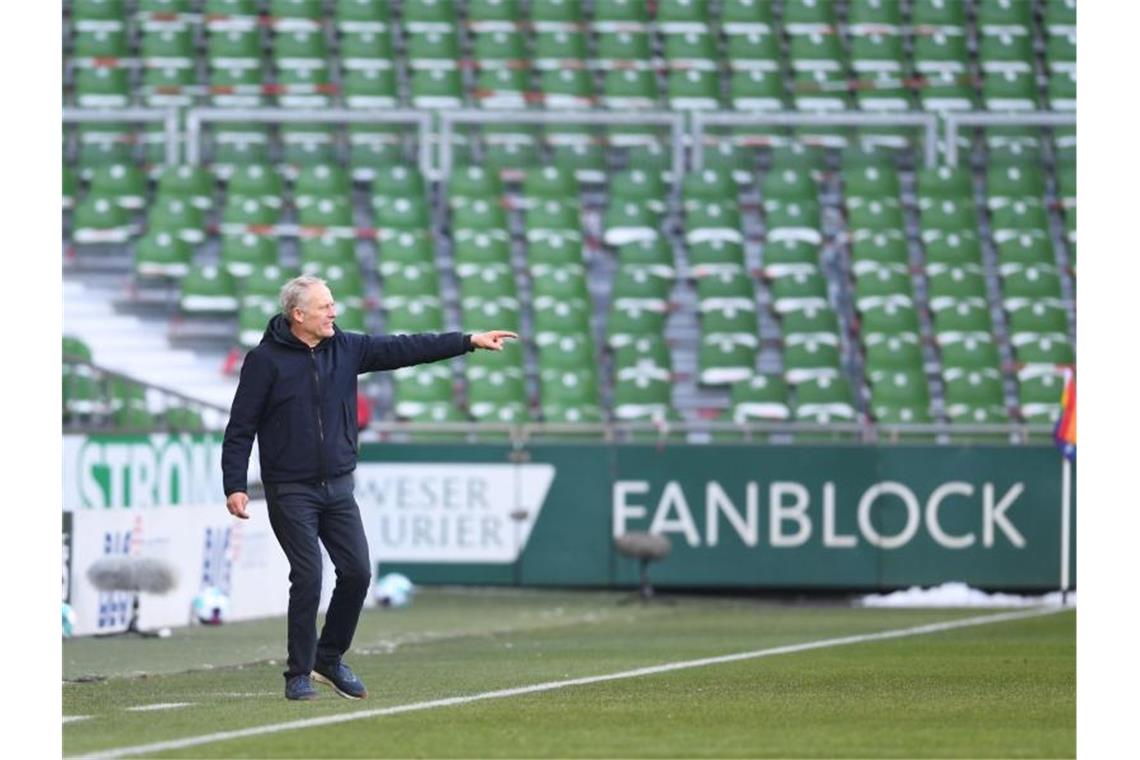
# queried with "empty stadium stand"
point(812, 271)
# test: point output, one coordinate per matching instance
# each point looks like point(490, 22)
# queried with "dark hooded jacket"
point(300, 402)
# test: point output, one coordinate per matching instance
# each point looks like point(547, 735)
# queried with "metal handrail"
point(675, 120)
point(520, 433)
point(702, 119)
point(168, 117)
point(954, 120)
point(195, 117)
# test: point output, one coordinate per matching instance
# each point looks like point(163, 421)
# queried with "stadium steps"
point(140, 347)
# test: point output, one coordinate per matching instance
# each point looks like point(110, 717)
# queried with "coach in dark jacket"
point(297, 395)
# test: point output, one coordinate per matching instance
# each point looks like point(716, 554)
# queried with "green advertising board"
point(827, 517)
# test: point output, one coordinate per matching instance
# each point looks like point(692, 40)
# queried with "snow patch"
point(958, 594)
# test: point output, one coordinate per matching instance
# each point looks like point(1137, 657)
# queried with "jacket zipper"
point(320, 422)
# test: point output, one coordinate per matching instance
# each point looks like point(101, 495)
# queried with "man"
point(297, 394)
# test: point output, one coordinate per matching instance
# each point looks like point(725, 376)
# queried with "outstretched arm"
point(383, 352)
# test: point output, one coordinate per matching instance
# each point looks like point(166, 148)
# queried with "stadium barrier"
point(775, 517)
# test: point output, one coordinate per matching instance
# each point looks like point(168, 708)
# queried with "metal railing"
point(956, 120)
point(693, 133)
point(702, 119)
point(196, 117)
point(519, 434)
point(168, 117)
point(672, 119)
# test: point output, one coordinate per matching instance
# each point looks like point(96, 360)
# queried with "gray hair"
point(294, 292)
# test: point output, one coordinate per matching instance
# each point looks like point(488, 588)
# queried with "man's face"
point(315, 316)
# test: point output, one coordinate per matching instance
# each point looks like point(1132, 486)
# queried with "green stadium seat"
point(161, 254)
point(968, 315)
point(124, 183)
point(971, 388)
point(631, 319)
point(887, 246)
point(353, 16)
point(900, 397)
point(193, 184)
point(566, 352)
point(208, 289)
point(436, 89)
point(1016, 217)
point(955, 281)
point(320, 182)
point(1005, 52)
point(554, 318)
point(258, 182)
point(958, 247)
point(565, 388)
point(1042, 352)
point(554, 49)
point(802, 290)
point(641, 393)
point(759, 397)
point(807, 357)
point(1030, 281)
point(407, 316)
point(947, 90)
point(693, 90)
point(1039, 396)
point(716, 255)
point(1009, 90)
point(562, 282)
point(1034, 316)
point(253, 317)
point(102, 87)
point(875, 215)
point(419, 388)
point(1062, 91)
point(824, 400)
point(242, 214)
point(874, 281)
point(888, 315)
point(1025, 249)
point(753, 51)
point(326, 250)
point(87, 46)
point(725, 358)
point(429, 16)
point(241, 255)
point(1004, 17)
point(820, 89)
point(968, 350)
point(816, 322)
point(887, 353)
point(629, 90)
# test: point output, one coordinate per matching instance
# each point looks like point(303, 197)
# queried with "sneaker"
point(342, 679)
point(300, 687)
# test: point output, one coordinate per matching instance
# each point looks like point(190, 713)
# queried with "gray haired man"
point(297, 395)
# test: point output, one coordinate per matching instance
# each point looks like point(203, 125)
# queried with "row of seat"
point(575, 63)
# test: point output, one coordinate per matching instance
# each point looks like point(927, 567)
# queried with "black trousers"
point(301, 515)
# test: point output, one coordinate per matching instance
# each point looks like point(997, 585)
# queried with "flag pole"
point(1066, 481)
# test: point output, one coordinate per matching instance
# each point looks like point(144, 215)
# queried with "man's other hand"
point(236, 504)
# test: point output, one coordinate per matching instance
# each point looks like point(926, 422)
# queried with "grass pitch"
point(1003, 689)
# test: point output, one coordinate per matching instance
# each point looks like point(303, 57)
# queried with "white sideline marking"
point(159, 706)
point(74, 718)
point(325, 720)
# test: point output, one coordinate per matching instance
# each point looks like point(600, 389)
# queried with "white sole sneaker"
point(321, 679)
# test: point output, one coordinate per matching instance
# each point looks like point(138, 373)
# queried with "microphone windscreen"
point(147, 574)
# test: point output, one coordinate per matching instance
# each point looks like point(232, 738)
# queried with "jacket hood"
point(277, 331)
